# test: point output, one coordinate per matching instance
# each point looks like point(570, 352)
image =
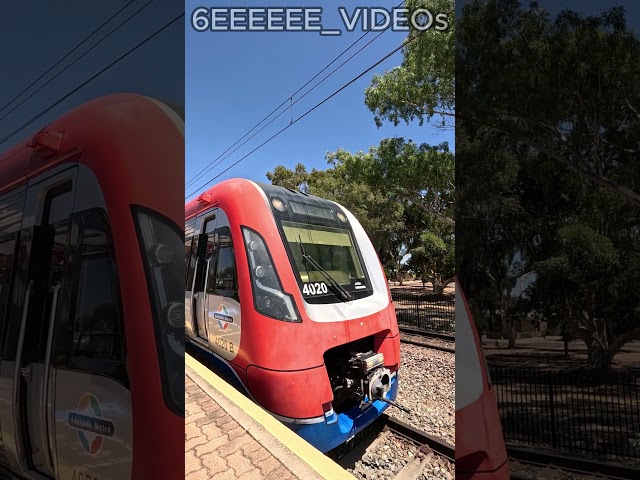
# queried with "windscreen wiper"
point(339, 289)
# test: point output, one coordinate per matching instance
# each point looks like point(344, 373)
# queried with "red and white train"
point(480, 449)
point(91, 308)
point(286, 295)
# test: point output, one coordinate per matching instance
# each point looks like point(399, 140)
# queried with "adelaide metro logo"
point(90, 424)
point(223, 317)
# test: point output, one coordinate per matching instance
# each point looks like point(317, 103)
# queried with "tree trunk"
point(599, 357)
point(511, 331)
point(618, 342)
point(439, 288)
point(512, 335)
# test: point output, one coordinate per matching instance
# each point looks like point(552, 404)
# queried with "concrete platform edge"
point(299, 457)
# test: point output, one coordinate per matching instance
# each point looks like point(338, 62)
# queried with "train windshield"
point(331, 252)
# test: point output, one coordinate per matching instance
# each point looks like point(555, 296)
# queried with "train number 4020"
point(315, 288)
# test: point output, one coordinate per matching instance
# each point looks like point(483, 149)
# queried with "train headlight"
point(270, 299)
point(278, 204)
point(342, 217)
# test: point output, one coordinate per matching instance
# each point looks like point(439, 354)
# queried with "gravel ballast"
point(427, 388)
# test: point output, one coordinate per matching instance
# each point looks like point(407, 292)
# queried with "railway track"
point(421, 452)
point(564, 463)
point(420, 338)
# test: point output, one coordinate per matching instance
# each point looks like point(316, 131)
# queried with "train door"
point(204, 250)
point(48, 206)
point(93, 413)
point(11, 210)
point(71, 384)
point(223, 305)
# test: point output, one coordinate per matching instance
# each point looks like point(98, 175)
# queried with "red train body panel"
point(480, 446)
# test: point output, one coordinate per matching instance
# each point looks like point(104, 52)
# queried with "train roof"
point(74, 129)
point(200, 203)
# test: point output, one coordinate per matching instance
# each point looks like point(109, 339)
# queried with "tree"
point(547, 145)
point(433, 259)
point(295, 179)
point(421, 175)
point(564, 88)
point(423, 86)
point(582, 265)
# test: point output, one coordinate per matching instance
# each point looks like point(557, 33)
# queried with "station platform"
point(227, 436)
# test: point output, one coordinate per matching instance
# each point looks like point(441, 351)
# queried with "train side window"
point(7, 257)
point(49, 246)
point(97, 331)
point(209, 224)
point(225, 283)
point(190, 248)
point(190, 228)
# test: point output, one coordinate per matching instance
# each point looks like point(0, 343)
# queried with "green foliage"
point(423, 86)
point(397, 190)
point(547, 148)
point(564, 87)
point(294, 179)
point(433, 258)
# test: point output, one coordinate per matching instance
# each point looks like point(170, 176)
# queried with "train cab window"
point(335, 253)
point(96, 329)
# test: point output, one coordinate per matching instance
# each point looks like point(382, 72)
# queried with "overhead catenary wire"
point(293, 122)
point(66, 55)
point(93, 77)
point(289, 100)
point(74, 61)
point(219, 160)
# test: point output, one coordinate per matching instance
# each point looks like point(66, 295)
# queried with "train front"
point(330, 365)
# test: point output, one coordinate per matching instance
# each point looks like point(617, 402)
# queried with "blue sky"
point(234, 79)
point(44, 32)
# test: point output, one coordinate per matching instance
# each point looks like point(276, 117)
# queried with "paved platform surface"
point(227, 436)
point(216, 446)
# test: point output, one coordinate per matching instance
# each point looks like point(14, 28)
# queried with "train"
point(91, 308)
point(286, 299)
point(481, 453)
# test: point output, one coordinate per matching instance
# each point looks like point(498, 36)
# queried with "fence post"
point(418, 316)
point(554, 441)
